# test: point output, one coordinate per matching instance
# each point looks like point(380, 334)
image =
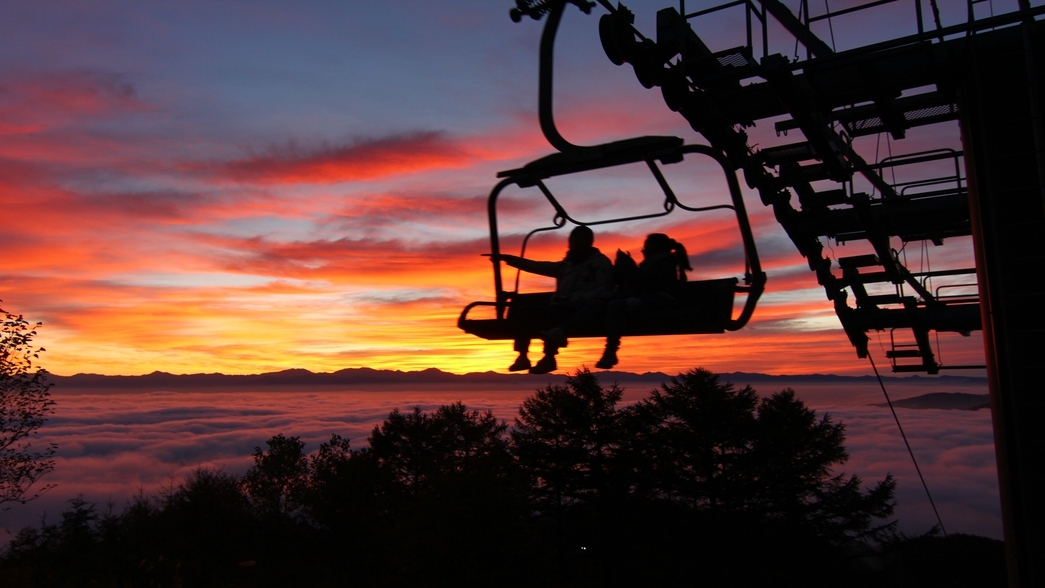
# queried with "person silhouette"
point(583, 283)
point(655, 283)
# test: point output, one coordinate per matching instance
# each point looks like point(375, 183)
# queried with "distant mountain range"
point(293, 377)
point(357, 377)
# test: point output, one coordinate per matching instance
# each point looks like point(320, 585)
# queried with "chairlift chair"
point(705, 307)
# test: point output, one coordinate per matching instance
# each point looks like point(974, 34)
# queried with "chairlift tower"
point(987, 74)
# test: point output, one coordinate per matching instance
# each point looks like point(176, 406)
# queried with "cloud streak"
point(360, 160)
point(37, 102)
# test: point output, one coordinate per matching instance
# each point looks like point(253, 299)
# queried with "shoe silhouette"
point(545, 365)
point(521, 363)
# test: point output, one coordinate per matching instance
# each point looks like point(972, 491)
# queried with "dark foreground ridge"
point(353, 377)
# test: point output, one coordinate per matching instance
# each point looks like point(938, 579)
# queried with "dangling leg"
point(522, 362)
point(609, 355)
point(574, 315)
point(547, 363)
point(616, 320)
point(524, 318)
point(554, 338)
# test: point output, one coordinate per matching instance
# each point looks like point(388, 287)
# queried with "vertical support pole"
point(1008, 223)
point(1034, 94)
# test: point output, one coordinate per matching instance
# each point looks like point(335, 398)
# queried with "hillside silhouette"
point(944, 401)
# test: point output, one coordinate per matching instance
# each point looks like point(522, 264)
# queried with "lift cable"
point(911, 452)
point(827, 10)
point(801, 7)
point(892, 168)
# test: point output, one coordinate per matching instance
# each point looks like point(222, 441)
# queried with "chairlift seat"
point(705, 307)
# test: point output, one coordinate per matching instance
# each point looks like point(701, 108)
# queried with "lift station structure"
point(986, 73)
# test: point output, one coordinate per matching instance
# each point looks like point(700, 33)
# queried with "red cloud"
point(390, 211)
point(30, 104)
point(354, 261)
point(361, 160)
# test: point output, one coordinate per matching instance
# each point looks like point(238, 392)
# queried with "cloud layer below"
point(115, 444)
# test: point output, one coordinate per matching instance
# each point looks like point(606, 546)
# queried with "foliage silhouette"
point(340, 490)
point(564, 440)
point(25, 404)
point(417, 447)
point(458, 512)
point(278, 480)
point(689, 441)
point(711, 446)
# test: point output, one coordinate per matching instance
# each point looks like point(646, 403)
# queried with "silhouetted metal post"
point(997, 101)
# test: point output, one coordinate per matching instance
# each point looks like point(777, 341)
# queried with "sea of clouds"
point(113, 444)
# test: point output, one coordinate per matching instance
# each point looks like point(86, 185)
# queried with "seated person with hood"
point(583, 281)
point(655, 283)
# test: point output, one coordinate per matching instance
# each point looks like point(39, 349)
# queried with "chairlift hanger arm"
point(553, 8)
point(551, 132)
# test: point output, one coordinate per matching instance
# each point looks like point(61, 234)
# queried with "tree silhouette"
point(714, 447)
point(277, 481)
point(689, 441)
point(206, 525)
point(25, 404)
point(564, 439)
point(456, 512)
point(415, 447)
point(757, 475)
point(340, 490)
point(795, 453)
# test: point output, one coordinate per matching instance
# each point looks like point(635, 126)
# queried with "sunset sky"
point(245, 187)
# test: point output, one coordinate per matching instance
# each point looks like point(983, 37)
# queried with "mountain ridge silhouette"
point(299, 377)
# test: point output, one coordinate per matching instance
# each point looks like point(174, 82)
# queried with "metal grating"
point(932, 111)
point(736, 59)
point(868, 123)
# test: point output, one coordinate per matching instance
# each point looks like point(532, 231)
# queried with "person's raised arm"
point(542, 268)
